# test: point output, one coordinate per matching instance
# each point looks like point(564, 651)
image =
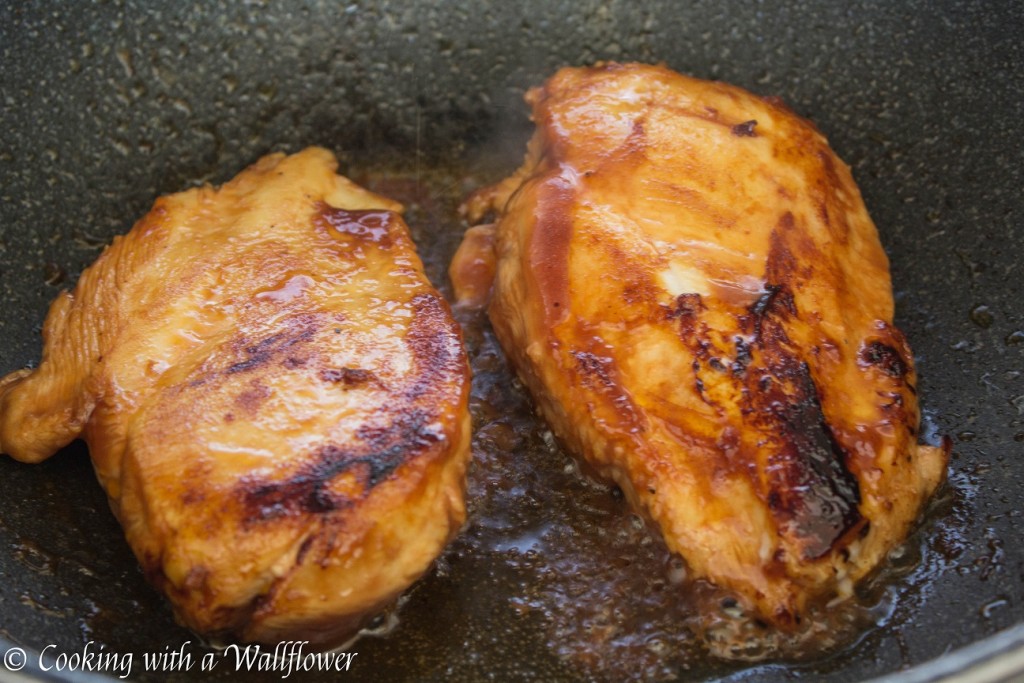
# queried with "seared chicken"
point(274, 398)
point(689, 283)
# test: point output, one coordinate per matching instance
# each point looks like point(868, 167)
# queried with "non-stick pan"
point(107, 105)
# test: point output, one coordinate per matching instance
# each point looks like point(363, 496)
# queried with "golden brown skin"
point(702, 309)
point(274, 398)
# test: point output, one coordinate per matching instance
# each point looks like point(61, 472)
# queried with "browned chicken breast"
point(689, 283)
point(274, 397)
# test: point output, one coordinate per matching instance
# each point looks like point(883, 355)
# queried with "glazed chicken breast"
point(274, 398)
point(687, 280)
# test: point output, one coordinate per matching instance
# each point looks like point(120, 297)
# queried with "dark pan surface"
point(106, 106)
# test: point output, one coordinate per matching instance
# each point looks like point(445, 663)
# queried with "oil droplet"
point(53, 274)
point(982, 316)
point(1018, 403)
point(1016, 337)
point(125, 58)
point(29, 601)
point(966, 346)
point(182, 106)
point(1019, 436)
point(86, 241)
point(930, 434)
point(34, 558)
point(987, 609)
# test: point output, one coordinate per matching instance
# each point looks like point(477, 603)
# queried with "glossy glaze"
point(274, 398)
point(690, 285)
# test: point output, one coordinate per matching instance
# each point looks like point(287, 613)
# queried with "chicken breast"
point(687, 280)
point(274, 398)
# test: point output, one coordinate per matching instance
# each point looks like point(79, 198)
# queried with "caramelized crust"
point(274, 398)
point(689, 283)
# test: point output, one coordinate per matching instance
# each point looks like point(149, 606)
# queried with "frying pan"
point(107, 105)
